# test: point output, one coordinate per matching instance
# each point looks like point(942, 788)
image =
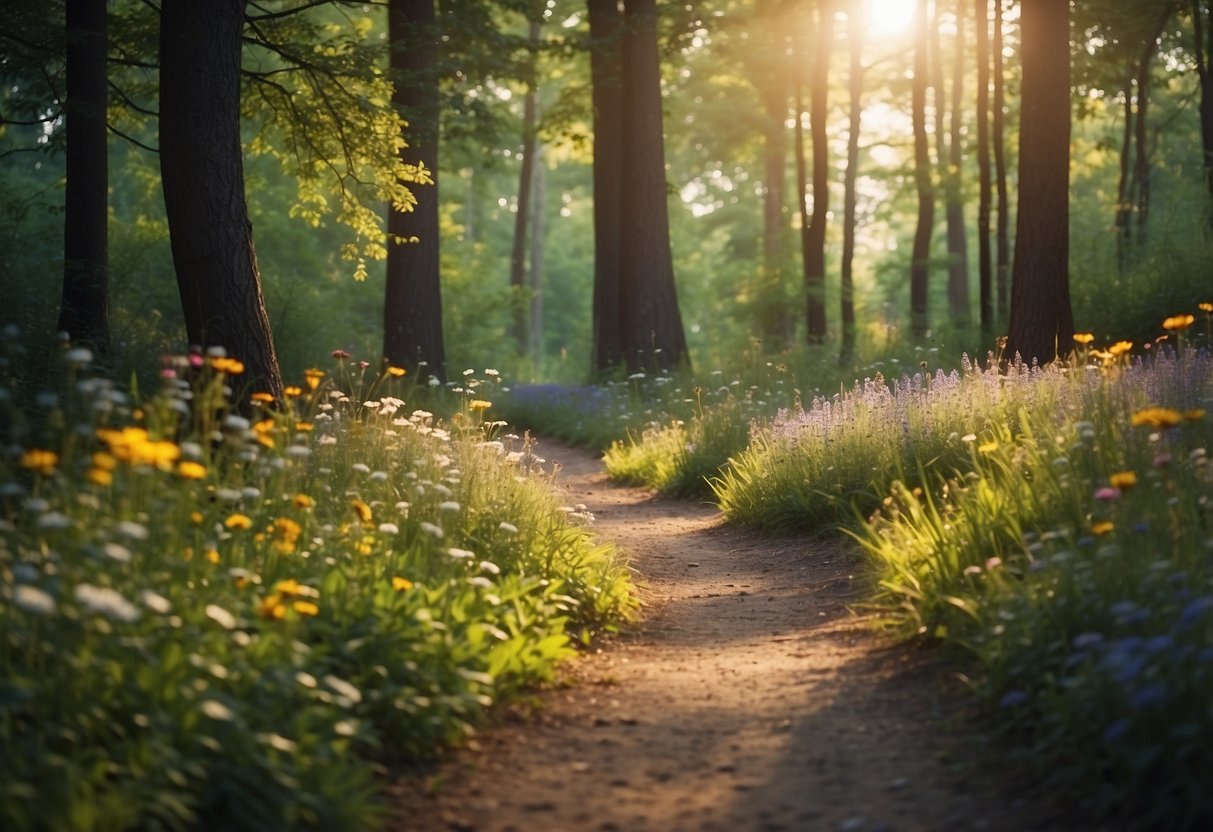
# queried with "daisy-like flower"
point(1157, 417)
point(238, 521)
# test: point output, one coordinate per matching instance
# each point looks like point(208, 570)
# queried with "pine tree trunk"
point(84, 307)
point(920, 255)
point(651, 324)
point(1124, 202)
point(606, 71)
point(855, 26)
point(1202, 18)
point(984, 276)
point(815, 252)
point(412, 307)
point(1042, 325)
point(518, 272)
point(203, 179)
point(958, 244)
point(1002, 233)
point(773, 318)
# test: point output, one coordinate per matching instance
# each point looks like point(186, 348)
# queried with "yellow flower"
point(987, 447)
point(479, 404)
point(104, 461)
point(1123, 480)
point(43, 462)
point(1084, 337)
point(286, 533)
point(401, 584)
point(288, 588)
point(212, 555)
point(191, 470)
point(1102, 527)
point(196, 517)
point(100, 476)
point(293, 391)
point(362, 510)
point(1206, 307)
point(262, 398)
point(262, 430)
point(1157, 417)
point(1178, 322)
point(305, 608)
point(1195, 414)
point(365, 546)
point(1120, 347)
point(238, 521)
point(313, 377)
point(302, 501)
point(396, 371)
point(272, 608)
point(231, 366)
point(303, 426)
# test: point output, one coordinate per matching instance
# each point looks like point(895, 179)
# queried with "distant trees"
point(1042, 325)
point(813, 224)
point(203, 177)
point(920, 255)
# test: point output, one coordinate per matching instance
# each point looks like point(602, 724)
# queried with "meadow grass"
point(232, 617)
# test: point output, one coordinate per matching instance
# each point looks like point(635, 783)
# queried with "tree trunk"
point(958, 244)
point(653, 338)
point(203, 179)
point(1202, 19)
point(1141, 166)
point(815, 238)
point(984, 282)
point(774, 320)
point(538, 234)
point(84, 307)
point(606, 71)
point(1042, 325)
point(1124, 228)
point(412, 306)
point(1002, 232)
point(518, 282)
point(856, 23)
point(920, 256)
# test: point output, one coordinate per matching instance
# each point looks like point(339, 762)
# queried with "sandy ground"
point(749, 697)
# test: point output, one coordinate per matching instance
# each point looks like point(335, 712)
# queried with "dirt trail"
point(748, 698)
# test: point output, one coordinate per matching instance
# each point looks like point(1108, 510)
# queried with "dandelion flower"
point(100, 476)
point(302, 501)
point(1120, 348)
point(238, 521)
point(401, 584)
point(292, 391)
point(1195, 414)
point(262, 398)
point(1206, 307)
point(362, 510)
point(313, 378)
point(479, 404)
point(987, 447)
point(272, 608)
point(189, 470)
point(224, 364)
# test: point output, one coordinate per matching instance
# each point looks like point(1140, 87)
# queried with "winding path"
point(748, 698)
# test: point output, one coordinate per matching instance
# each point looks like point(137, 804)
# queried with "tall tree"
point(203, 179)
point(1202, 25)
point(1002, 230)
point(984, 260)
point(856, 21)
point(538, 238)
point(84, 310)
point(412, 310)
point(650, 323)
point(526, 173)
point(920, 254)
point(1042, 324)
point(606, 70)
point(813, 230)
point(957, 235)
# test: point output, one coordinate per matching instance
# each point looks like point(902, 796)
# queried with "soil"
point(749, 696)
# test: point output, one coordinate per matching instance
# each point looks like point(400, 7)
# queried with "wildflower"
point(106, 602)
point(362, 510)
point(238, 521)
point(131, 530)
point(401, 584)
point(302, 501)
point(43, 462)
point(262, 398)
point(313, 377)
point(1206, 307)
point(116, 552)
point(1195, 414)
point(396, 372)
point(305, 608)
point(191, 470)
point(211, 555)
point(1123, 479)
point(987, 447)
point(508, 528)
point(448, 505)
point(432, 530)
point(79, 356)
point(389, 528)
point(304, 427)
point(272, 608)
point(286, 533)
point(100, 476)
point(33, 600)
point(479, 404)
point(1157, 417)
point(1107, 494)
point(460, 554)
point(1083, 337)
point(1102, 527)
point(1177, 323)
point(340, 354)
point(1120, 348)
point(196, 518)
point(224, 364)
point(216, 710)
point(221, 616)
point(292, 391)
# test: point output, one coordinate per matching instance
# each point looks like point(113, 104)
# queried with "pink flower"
point(1107, 493)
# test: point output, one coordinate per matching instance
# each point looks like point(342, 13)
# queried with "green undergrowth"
point(219, 617)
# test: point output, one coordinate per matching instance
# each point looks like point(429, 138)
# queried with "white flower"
point(221, 616)
point(327, 439)
point(106, 602)
point(432, 530)
point(155, 602)
point(349, 695)
point(460, 554)
point(34, 600)
point(362, 468)
point(449, 505)
point(508, 528)
point(379, 476)
point(481, 582)
point(78, 356)
point(216, 710)
point(236, 423)
point(117, 552)
point(389, 528)
point(54, 520)
point(490, 567)
point(131, 530)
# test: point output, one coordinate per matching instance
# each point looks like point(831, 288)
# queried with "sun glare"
point(889, 18)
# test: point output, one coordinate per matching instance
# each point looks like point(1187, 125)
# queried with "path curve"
point(749, 697)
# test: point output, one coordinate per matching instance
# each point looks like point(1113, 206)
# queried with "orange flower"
point(401, 584)
point(302, 501)
point(238, 521)
point(272, 608)
point(305, 608)
point(1206, 307)
point(231, 366)
point(191, 470)
point(1083, 337)
point(1195, 414)
point(397, 372)
point(1102, 527)
point(286, 534)
point(262, 398)
point(362, 510)
point(100, 476)
point(1120, 347)
point(479, 404)
point(292, 391)
point(1178, 322)
point(1123, 480)
point(313, 377)
point(1157, 417)
point(39, 460)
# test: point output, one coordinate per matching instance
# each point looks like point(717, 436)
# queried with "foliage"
point(219, 621)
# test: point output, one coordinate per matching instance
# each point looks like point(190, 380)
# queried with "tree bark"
point(84, 307)
point(984, 274)
point(1141, 166)
point(1002, 231)
point(203, 179)
point(606, 71)
point(774, 320)
point(815, 234)
point(518, 272)
point(538, 235)
point(1202, 19)
point(1042, 325)
point(1124, 202)
point(856, 23)
point(412, 308)
point(651, 325)
point(920, 255)
point(958, 244)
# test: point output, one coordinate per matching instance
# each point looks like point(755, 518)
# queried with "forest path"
point(748, 697)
